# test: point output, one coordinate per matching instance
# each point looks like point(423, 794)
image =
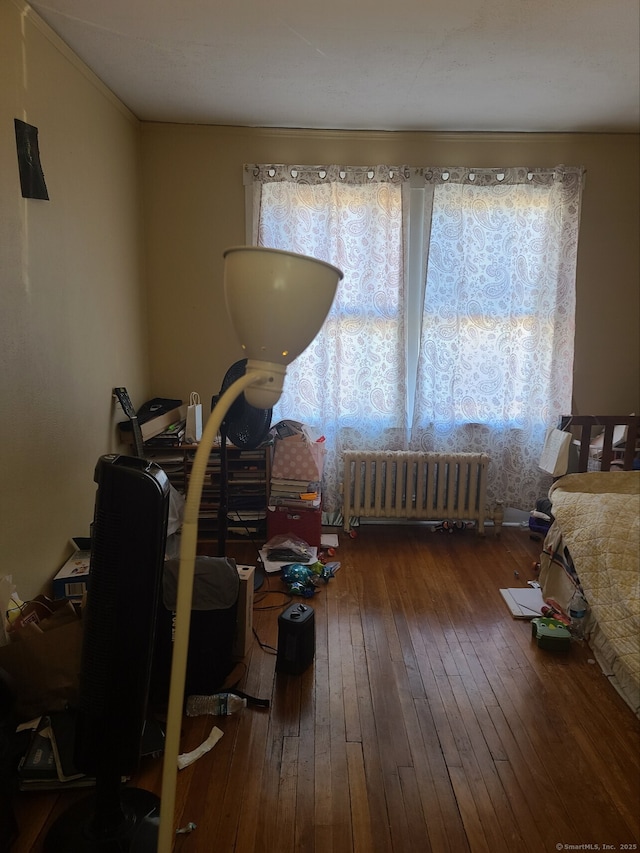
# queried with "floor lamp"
point(277, 302)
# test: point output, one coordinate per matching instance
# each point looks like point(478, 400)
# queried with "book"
point(171, 437)
point(62, 728)
point(154, 425)
point(42, 767)
point(247, 514)
point(294, 502)
point(48, 762)
point(295, 485)
point(293, 490)
point(39, 761)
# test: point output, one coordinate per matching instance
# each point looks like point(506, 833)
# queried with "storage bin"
point(304, 523)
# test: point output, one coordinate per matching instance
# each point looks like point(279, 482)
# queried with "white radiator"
point(403, 484)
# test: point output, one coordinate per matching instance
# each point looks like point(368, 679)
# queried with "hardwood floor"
point(429, 721)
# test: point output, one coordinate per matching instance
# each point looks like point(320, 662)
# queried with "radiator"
point(407, 485)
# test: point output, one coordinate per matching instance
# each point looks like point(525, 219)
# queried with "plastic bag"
point(288, 547)
point(43, 663)
point(174, 523)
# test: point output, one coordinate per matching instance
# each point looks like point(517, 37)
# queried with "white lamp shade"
point(277, 300)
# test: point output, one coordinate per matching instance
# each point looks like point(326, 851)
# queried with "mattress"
point(595, 542)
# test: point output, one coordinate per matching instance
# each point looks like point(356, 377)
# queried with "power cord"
point(263, 595)
point(245, 523)
point(264, 646)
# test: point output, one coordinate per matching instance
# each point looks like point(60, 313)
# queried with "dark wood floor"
point(429, 721)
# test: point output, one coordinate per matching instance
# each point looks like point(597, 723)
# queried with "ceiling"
point(418, 65)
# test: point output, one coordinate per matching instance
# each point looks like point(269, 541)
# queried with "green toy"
point(550, 634)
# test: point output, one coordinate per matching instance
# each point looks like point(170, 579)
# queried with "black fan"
point(128, 542)
point(245, 427)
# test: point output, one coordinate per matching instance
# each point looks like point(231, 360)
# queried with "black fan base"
point(137, 832)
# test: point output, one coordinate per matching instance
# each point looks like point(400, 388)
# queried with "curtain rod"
point(415, 174)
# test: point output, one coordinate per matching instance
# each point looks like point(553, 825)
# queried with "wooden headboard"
point(584, 426)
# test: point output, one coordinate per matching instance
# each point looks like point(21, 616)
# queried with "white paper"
point(187, 758)
point(555, 453)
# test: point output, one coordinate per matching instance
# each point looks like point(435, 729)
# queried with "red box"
point(304, 523)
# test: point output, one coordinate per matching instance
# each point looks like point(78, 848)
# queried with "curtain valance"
point(353, 175)
point(569, 176)
point(512, 175)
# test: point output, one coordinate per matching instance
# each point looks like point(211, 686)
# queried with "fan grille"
point(244, 425)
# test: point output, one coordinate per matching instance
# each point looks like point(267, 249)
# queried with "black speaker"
point(296, 639)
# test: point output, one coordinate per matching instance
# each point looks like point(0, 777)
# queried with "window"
point(453, 327)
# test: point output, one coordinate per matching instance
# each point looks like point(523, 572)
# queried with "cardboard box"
point(72, 579)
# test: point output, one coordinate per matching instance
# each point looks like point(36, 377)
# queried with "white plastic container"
point(577, 613)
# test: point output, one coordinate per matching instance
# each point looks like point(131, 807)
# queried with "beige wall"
point(195, 208)
point(72, 318)
point(73, 315)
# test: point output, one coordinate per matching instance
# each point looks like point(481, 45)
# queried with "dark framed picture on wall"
point(32, 181)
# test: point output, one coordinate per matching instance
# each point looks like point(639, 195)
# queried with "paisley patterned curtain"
point(349, 383)
point(496, 348)
point(487, 364)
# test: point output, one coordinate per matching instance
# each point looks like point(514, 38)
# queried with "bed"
point(593, 544)
point(604, 442)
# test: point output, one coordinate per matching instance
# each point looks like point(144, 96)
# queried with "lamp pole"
point(277, 302)
point(188, 546)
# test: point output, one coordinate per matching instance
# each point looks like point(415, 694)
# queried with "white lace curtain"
point(453, 327)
